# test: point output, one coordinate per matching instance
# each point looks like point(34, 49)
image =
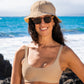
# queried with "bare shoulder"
point(68, 51)
point(22, 48)
point(70, 56)
point(67, 54)
point(20, 53)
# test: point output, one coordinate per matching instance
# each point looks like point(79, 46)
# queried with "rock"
point(5, 70)
point(6, 80)
point(68, 77)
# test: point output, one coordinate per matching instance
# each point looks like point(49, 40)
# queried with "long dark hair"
point(56, 32)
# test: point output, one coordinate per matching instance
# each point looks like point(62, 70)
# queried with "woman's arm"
point(75, 64)
point(16, 77)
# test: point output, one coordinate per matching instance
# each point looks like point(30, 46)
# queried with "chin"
point(44, 35)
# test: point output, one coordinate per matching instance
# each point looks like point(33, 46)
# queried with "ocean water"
point(14, 34)
point(16, 26)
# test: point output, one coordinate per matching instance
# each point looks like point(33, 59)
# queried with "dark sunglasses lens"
point(37, 20)
point(47, 19)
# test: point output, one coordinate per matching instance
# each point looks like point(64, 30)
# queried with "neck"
point(46, 41)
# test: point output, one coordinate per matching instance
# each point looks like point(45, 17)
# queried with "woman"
point(44, 59)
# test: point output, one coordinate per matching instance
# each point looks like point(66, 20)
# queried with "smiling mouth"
point(43, 29)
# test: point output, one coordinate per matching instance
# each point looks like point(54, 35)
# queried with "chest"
point(36, 64)
point(37, 59)
point(41, 57)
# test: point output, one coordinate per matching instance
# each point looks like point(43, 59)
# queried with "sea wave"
point(74, 30)
point(12, 34)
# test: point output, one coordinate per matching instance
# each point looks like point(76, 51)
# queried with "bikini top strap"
point(26, 51)
point(60, 50)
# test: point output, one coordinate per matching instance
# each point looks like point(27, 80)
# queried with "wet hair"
point(56, 32)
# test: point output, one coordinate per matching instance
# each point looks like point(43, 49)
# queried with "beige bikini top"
point(50, 74)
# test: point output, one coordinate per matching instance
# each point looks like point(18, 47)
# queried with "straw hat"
point(40, 8)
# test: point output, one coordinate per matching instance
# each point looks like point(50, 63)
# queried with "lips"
point(43, 29)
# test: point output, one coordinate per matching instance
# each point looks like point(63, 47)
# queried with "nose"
point(42, 21)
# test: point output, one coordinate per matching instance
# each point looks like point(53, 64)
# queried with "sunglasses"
point(47, 19)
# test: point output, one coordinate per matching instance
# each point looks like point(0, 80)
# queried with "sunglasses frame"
point(40, 19)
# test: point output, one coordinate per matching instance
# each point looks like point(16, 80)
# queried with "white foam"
point(8, 46)
point(76, 43)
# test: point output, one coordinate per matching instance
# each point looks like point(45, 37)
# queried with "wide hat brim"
point(38, 15)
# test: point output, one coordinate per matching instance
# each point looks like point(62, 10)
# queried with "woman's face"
point(43, 28)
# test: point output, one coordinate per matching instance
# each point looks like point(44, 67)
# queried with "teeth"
point(43, 28)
